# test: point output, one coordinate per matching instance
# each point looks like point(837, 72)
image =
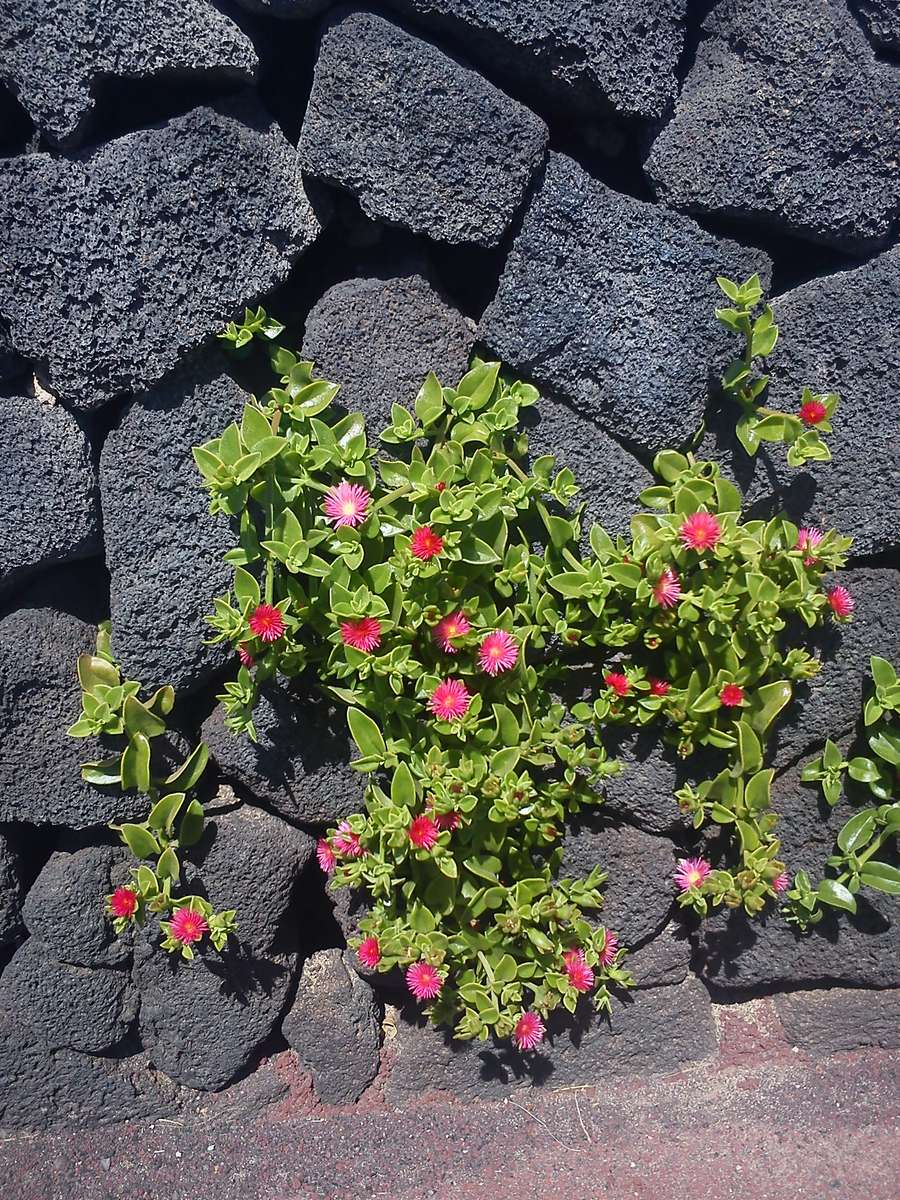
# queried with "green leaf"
point(474, 550)
point(190, 770)
point(403, 788)
point(139, 719)
point(246, 588)
point(857, 831)
point(834, 893)
point(136, 764)
point(168, 866)
point(93, 671)
point(163, 813)
point(429, 405)
point(864, 770)
point(882, 672)
point(162, 701)
point(504, 762)
point(505, 970)
point(191, 828)
point(749, 748)
point(366, 733)
point(103, 771)
point(886, 745)
point(139, 840)
point(767, 702)
point(882, 876)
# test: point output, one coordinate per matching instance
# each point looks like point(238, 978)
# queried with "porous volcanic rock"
point(40, 697)
point(83, 1008)
point(581, 55)
point(832, 1019)
point(608, 301)
point(333, 1027)
point(882, 19)
point(379, 338)
point(836, 335)
point(65, 910)
point(831, 703)
point(663, 961)
point(120, 261)
point(48, 489)
point(787, 118)
point(53, 55)
point(657, 1029)
point(300, 763)
point(11, 364)
point(637, 896)
point(164, 549)
point(419, 139)
point(11, 889)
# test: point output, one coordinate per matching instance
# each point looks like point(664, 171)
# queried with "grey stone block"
point(834, 1019)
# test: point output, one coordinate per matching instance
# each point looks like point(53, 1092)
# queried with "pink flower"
point(498, 652)
point(423, 981)
point(439, 487)
point(529, 1031)
point(454, 626)
point(840, 602)
point(667, 589)
point(808, 539)
point(187, 926)
point(369, 952)
point(610, 949)
point(247, 659)
point(691, 873)
point(658, 687)
point(581, 977)
point(362, 634)
point(813, 412)
point(450, 820)
point(425, 543)
point(267, 623)
point(450, 700)
point(346, 504)
point(123, 902)
point(700, 531)
point(781, 884)
point(326, 857)
point(731, 695)
point(618, 682)
point(423, 833)
point(345, 841)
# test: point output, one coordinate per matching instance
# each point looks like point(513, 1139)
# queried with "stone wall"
point(550, 183)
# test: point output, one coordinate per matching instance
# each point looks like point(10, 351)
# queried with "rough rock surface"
point(40, 697)
point(250, 861)
point(121, 261)
point(10, 892)
point(164, 548)
point(658, 1029)
point(578, 54)
point(637, 897)
point(379, 338)
point(609, 301)
point(833, 1019)
point(831, 704)
point(299, 766)
point(836, 335)
point(53, 55)
point(882, 19)
point(48, 489)
point(11, 364)
point(333, 1027)
point(420, 140)
point(83, 1008)
point(202, 1022)
point(786, 118)
point(64, 907)
point(663, 961)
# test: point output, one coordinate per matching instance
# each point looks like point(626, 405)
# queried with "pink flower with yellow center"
point(345, 841)
point(369, 952)
point(691, 873)
point(267, 623)
point(325, 856)
point(423, 981)
point(423, 833)
point(731, 695)
point(187, 926)
point(658, 687)
point(529, 1031)
point(450, 700)
point(362, 634)
point(123, 902)
point(455, 625)
point(425, 543)
point(498, 652)
point(667, 589)
point(700, 531)
point(781, 884)
point(346, 504)
point(808, 539)
point(618, 682)
point(610, 949)
point(813, 412)
point(580, 975)
point(840, 602)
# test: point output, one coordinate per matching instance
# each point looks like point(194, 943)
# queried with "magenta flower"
point(813, 412)
point(808, 539)
point(658, 687)
point(529, 1031)
point(362, 634)
point(346, 504)
point(618, 682)
point(453, 626)
point(840, 602)
point(450, 820)
point(423, 981)
point(267, 623)
point(246, 658)
point(498, 652)
point(691, 872)
point(610, 949)
point(700, 531)
point(781, 884)
point(187, 926)
point(326, 857)
point(345, 841)
point(123, 902)
point(450, 700)
point(369, 952)
point(667, 589)
point(425, 543)
point(581, 977)
point(423, 833)
point(731, 695)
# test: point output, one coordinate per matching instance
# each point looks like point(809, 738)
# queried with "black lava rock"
point(54, 55)
point(379, 338)
point(419, 139)
point(586, 56)
point(609, 302)
point(333, 1027)
point(164, 549)
point(300, 764)
point(83, 1008)
point(11, 364)
point(829, 1020)
point(663, 961)
point(48, 489)
point(788, 119)
point(882, 19)
point(119, 262)
point(11, 890)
